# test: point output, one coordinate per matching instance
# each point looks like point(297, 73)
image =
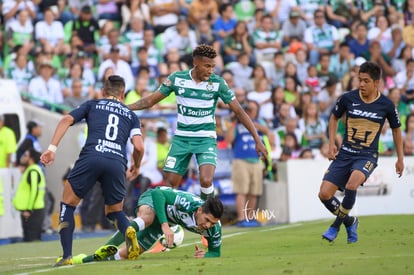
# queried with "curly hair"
point(204, 51)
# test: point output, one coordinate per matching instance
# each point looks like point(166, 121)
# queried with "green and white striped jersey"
point(196, 102)
point(179, 207)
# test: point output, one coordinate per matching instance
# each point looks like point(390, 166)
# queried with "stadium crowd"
point(293, 57)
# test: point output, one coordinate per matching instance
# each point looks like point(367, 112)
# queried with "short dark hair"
point(34, 155)
point(114, 85)
point(204, 50)
point(214, 206)
point(372, 69)
point(267, 16)
point(279, 53)
point(226, 71)
point(31, 125)
point(318, 11)
point(343, 44)
point(257, 10)
point(161, 130)
point(86, 9)
point(223, 7)
point(362, 24)
point(324, 55)
point(142, 49)
point(241, 54)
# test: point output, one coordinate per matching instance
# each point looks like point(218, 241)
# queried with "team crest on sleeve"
point(167, 82)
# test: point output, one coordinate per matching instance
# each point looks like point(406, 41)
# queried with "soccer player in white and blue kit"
point(103, 159)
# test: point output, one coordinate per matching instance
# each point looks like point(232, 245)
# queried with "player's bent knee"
point(172, 183)
point(323, 196)
point(113, 208)
point(123, 253)
point(206, 181)
point(327, 190)
point(68, 196)
point(147, 214)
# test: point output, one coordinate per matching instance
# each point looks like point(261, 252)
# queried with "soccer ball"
point(178, 236)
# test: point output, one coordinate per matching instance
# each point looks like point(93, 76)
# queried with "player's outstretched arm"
point(147, 102)
point(48, 156)
point(399, 165)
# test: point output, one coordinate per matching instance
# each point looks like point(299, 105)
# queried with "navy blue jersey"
point(363, 122)
point(110, 124)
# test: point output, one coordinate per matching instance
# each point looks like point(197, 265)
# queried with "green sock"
point(207, 192)
point(117, 239)
point(88, 259)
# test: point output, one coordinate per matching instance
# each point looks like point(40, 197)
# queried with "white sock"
point(117, 257)
point(208, 190)
point(140, 222)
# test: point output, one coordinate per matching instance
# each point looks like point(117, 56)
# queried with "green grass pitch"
point(385, 246)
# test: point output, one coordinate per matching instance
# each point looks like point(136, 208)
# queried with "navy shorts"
point(341, 168)
point(110, 173)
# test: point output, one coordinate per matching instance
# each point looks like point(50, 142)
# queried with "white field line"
point(248, 231)
point(281, 227)
point(184, 245)
point(44, 270)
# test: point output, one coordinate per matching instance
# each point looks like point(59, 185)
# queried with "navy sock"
point(337, 223)
point(349, 199)
point(349, 220)
point(345, 207)
point(120, 221)
point(332, 205)
point(66, 228)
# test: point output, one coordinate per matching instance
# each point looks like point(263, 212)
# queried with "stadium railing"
point(54, 107)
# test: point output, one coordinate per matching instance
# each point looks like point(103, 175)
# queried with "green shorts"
point(148, 236)
point(182, 149)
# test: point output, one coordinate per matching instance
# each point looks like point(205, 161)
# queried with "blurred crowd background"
point(291, 59)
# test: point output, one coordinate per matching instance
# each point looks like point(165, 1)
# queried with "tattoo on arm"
point(141, 104)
